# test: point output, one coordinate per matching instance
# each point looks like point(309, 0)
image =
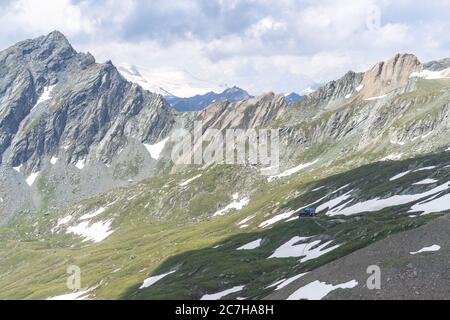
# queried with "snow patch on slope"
point(318, 290)
point(375, 98)
point(277, 218)
point(308, 250)
point(431, 75)
point(435, 205)
point(284, 282)
point(79, 295)
point(152, 280)
point(400, 175)
point(288, 215)
point(156, 149)
point(46, 95)
point(243, 222)
point(432, 248)
point(93, 214)
point(291, 171)
point(61, 222)
point(252, 245)
point(425, 182)
point(392, 157)
point(235, 205)
point(219, 295)
point(377, 204)
point(185, 183)
point(96, 232)
point(80, 164)
point(32, 178)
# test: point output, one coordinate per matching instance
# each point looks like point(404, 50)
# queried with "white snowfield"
point(427, 134)
point(93, 214)
point(235, 205)
point(359, 88)
point(32, 178)
point(79, 295)
point(17, 168)
point(252, 245)
point(96, 232)
point(54, 160)
point(245, 221)
point(277, 218)
point(400, 175)
point(380, 204)
point(287, 215)
point(152, 280)
point(156, 149)
point(376, 98)
point(318, 290)
point(425, 182)
point(433, 206)
point(177, 82)
point(284, 282)
point(334, 202)
point(307, 250)
point(62, 221)
point(431, 75)
point(291, 171)
point(432, 248)
point(185, 183)
point(400, 143)
point(392, 157)
point(46, 95)
point(220, 295)
point(403, 174)
point(425, 168)
point(80, 164)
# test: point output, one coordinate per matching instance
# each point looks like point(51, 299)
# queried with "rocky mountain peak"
point(334, 90)
point(438, 65)
point(200, 102)
point(389, 75)
point(57, 103)
point(57, 37)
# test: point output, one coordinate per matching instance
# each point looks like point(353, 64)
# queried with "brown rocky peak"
point(389, 75)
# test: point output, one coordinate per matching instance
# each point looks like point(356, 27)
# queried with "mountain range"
point(200, 102)
point(87, 180)
point(293, 97)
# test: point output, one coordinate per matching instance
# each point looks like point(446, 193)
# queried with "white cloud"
point(265, 26)
point(260, 45)
point(40, 17)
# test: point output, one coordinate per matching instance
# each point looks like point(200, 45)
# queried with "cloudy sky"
point(259, 45)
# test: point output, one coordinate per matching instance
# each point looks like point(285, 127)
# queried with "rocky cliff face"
point(257, 112)
point(59, 101)
point(389, 75)
point(58, 106)
point(333, 91)
point(386, 112)
point(438, 65)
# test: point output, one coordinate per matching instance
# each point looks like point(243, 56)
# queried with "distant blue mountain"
point(293, 98)
point(200, 102)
